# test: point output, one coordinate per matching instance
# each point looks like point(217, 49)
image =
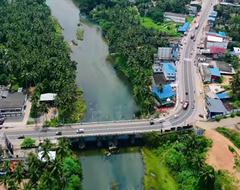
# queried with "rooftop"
point(184, 27)
point(47, 97)
point(166, 92)
point(175, 14)
point(215, 106)
point(223, 95)
point(169, 69)
point(13, 100)
point(215, 72)
point(164, 52)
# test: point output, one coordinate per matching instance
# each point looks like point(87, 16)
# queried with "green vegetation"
point(34, 54)
point(167, 28)
point(28, 143)
point(80, 34)
point(224, 181)
point(232, 135)
point(190, 19)
point(182, 159)
point(157, 175)
point(64, 172)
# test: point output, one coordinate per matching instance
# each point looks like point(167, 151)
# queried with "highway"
point(186, 78)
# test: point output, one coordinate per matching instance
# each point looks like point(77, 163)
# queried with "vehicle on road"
point(185, 105)
point(21, 137)
point(58, 133)
point(197, 25)
point(193, 36)
point(80, 131)
point(201, 115)
point(151, 122)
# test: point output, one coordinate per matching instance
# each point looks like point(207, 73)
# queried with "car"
point(186, 93)
point(44, 129)
point(151, 122)
point(78, 131)
point(185, 105)
point(58, 133)
point(21, 137)
point(201, 115)
point(2, 119)
point(176, 116)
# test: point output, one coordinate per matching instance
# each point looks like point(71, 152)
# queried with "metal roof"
point(47, 97)
point(215, 106)
point(166, 92)
point(215, 72)
point(13, 100)
point(169, 69)
point(223, 95)
point(184, 27)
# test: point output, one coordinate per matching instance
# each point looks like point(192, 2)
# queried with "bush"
point(238, 113)
point(231, 149)
point(230, 134)
point(232, 115)
point(28, 143)
point(218, 118)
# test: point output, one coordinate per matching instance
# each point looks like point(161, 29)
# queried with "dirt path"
point(219, 155)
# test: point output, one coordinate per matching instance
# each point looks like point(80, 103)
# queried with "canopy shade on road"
point(47, 97)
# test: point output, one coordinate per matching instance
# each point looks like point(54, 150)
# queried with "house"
point(215, 107)
point(175, 17)
point(157, 68)
point(217, 40)
point(215, 73)
point(165, 95)
point(168, 53)
point(169, 71)
point(184, 28)
point(211, 21)
point(192, 10)
point(12, 104)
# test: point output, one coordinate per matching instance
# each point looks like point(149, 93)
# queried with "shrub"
point(28, 143)
point(218, 118)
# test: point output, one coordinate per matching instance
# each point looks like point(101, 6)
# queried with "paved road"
point(186, 91)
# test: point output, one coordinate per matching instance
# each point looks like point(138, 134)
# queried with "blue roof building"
point(184, 27)
point(223, 34)
point(223, 95)
point(169, 71)
point(215, 72)
point(164, 95)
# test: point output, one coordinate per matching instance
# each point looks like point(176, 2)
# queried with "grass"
point(189, 19)
point(80, 34)
point(157, 175)
point(169, 28)
point(57, 26)
point(232, 135)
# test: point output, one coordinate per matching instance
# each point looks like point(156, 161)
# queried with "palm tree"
point(63, 148)
point(207, 177)
point(46, 147)
point(19, 173)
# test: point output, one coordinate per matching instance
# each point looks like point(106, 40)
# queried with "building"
point(215, 74)
point(175, 17)
point(225, 68)
point(169, 71)
point(168, 53)
point(165, 95)
point(216, 40)
point(12, 104)
point(184, 28)
point(223, 96)
point(215, 107)
point(236, 52)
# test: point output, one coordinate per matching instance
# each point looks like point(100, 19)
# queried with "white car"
point(80, 131)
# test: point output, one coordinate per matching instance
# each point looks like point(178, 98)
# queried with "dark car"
point(58, 133)
point(151, 122)
point(2, 119)
point(21, 137)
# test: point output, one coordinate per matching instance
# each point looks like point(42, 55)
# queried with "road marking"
point(187, 59)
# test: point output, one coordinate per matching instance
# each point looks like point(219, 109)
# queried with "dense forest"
point(63, 172)
point(131, 44)
point(33, 54)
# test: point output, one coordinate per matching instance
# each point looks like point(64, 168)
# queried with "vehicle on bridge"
point(79, 131)
point(58, 133)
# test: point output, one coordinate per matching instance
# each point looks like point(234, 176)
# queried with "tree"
point(45, 148)
point(28, 143)
point(207, 178)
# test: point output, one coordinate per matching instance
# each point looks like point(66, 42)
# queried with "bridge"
point(186, 91)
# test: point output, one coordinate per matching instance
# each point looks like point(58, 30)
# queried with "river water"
point(106, 95)
point(107, 98)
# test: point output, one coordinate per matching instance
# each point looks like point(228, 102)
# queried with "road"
point(186, 75)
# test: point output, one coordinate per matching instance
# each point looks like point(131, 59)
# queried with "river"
point(107, 97)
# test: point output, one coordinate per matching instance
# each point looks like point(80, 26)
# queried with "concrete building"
point(175, 17)
point(165, 95)
point(168, 53)
point(169, 71)
point(12, 104)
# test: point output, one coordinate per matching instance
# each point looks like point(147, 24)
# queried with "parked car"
point(80, 131)
point(2, 119)
point(185, 105)
point(58, 133)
